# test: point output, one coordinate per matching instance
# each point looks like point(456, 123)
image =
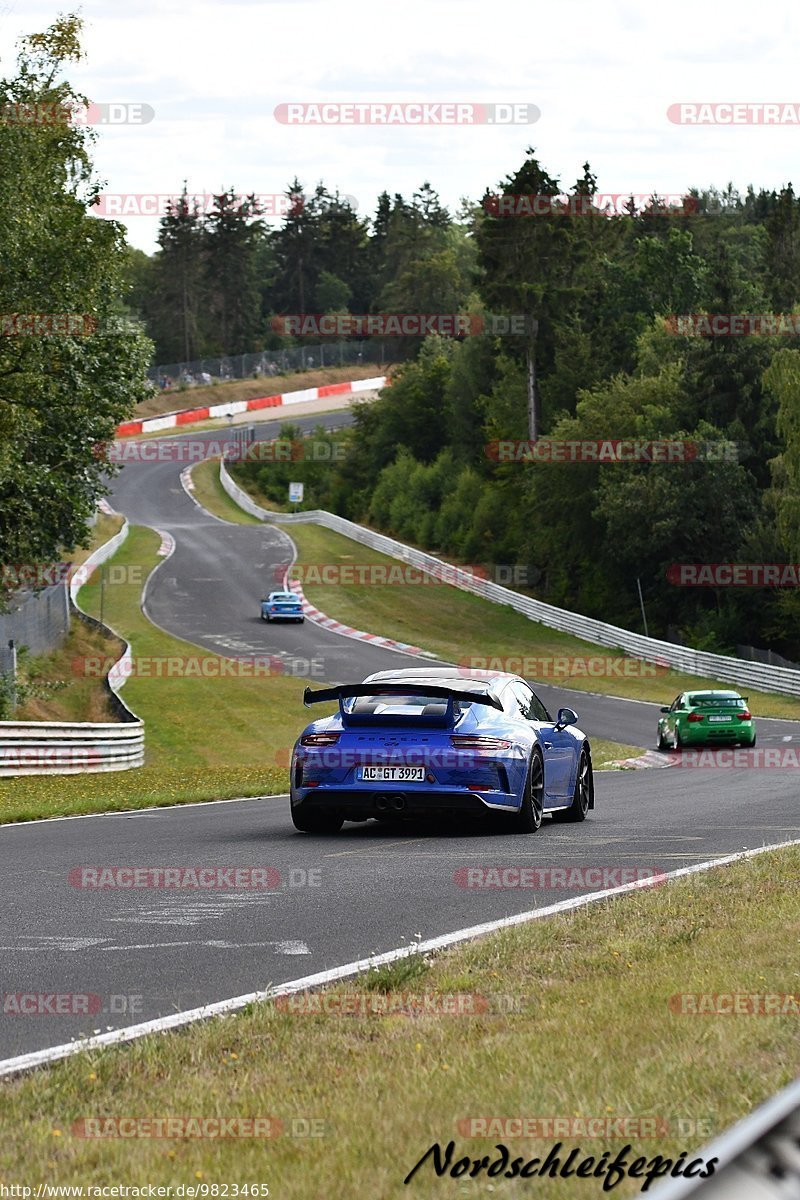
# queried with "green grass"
point(211, 494)
point(605, 753)
point(590, 1034)
point(451, 623)
point(57, 689)
point(185, 759)
point(58, 686)
point(463, 628)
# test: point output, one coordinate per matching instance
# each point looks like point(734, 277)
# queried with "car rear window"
point(379, 704)
point(716, 701)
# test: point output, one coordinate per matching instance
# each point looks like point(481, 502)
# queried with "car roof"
point(460, 677)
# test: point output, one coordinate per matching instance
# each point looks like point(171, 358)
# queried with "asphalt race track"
point(373, 888)
point(149, 952)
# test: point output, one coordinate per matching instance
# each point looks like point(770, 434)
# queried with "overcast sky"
point(602, 75)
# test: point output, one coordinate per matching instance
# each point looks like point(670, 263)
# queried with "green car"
point(697, 718)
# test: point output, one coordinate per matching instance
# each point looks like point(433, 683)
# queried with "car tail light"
point(744, 715)
point(695, 717)
point(319, 739)
point(465, 741)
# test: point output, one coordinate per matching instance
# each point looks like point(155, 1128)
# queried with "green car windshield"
point(721, 701)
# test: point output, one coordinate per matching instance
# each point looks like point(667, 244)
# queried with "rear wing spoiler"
point(435, 691)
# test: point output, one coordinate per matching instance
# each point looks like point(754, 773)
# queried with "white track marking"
point(39, 1058)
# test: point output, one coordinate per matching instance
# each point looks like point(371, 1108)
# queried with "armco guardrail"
point(682, 658)
point(70, 748)
point(64, 748)
point(756, 1159)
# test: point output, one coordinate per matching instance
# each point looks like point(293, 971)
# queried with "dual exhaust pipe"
point(390, 802)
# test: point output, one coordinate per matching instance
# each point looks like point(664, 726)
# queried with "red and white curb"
point(191, 416)
point(319, 618)
point(650, 758)
point(167, 544)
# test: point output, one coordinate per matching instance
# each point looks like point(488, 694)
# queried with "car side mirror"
point(665, 708)
point(566, 716)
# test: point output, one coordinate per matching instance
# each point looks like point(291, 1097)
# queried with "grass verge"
point(461, 627)
point(547, 1047)
point(259, 715)
point(52, 689)
point(55, 686)
point(452, 623)
point(211, 494)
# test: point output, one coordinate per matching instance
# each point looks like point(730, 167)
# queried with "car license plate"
point(720, 718)
point(391, 774)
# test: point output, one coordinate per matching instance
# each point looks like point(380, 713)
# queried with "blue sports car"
point(436, 741)
point(282, 606)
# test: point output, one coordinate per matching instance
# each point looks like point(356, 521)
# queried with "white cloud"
point(603, 76)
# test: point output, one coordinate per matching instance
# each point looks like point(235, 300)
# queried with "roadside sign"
point(295, 493)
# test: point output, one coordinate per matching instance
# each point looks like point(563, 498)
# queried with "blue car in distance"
point(439, 741)
point(282, 606)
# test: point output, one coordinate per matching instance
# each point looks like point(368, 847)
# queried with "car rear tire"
point(316, 820)
point(582, 795)
point(529, 817)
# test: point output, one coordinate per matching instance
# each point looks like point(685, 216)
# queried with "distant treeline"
point(601, 355)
